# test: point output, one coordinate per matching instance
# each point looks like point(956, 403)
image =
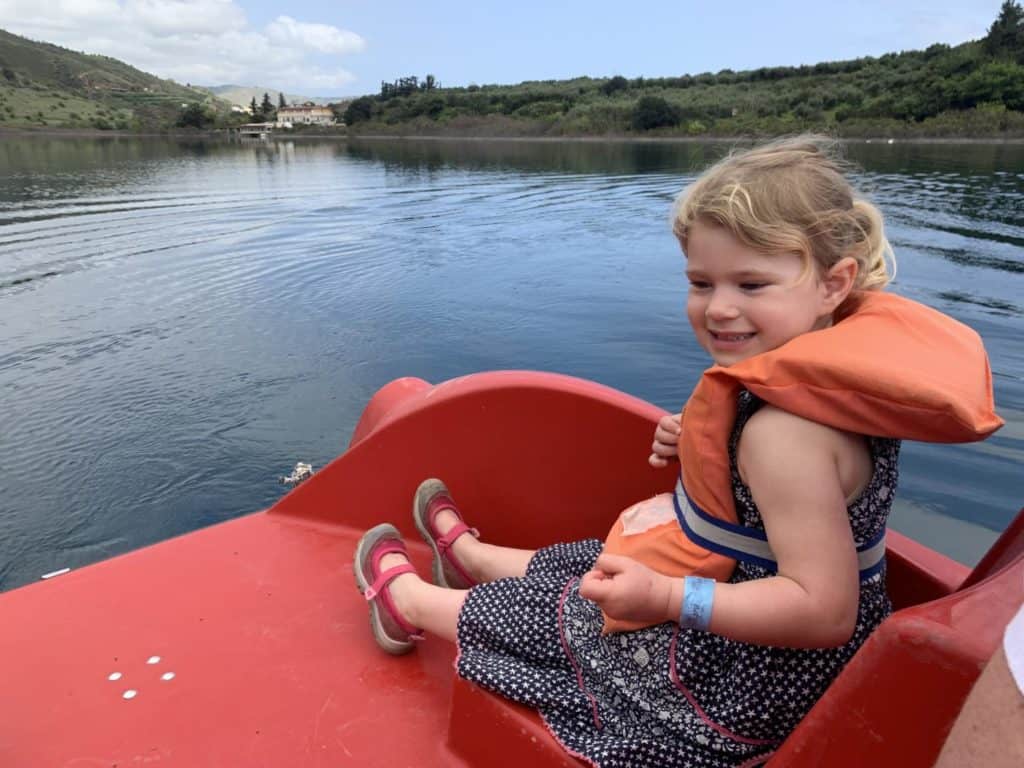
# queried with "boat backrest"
point(896, 700)
point(892, 705)
point(1007, 548)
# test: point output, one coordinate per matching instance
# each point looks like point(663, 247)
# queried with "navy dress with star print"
point(660, 696)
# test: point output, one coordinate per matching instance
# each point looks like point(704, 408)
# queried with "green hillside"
point(972, 89)
point(44, 85)
point(975, 89)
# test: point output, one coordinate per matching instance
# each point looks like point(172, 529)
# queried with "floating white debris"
point(114, 676)
point(153, 660)
point(167, 676)
point(51, 574)
point(301, 472)
point(129, 694)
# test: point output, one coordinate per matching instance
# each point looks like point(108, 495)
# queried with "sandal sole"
point(429, 489)
point(365, 546)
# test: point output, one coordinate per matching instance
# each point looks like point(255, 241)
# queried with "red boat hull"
point(267, 640)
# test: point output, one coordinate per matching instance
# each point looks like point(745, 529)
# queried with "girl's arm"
point(800, 474)
point(796, 470)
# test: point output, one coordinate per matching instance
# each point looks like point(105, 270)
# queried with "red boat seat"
point(893, 704)
point(896, 701)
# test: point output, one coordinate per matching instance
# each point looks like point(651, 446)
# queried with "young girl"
point(776, 243)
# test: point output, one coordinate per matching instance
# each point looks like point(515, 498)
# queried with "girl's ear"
point(838, 282)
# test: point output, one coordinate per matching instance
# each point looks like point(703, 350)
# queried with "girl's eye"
point(699, 285)
point(752, 286)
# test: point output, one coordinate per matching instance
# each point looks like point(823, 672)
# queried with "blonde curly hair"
point(791, 196)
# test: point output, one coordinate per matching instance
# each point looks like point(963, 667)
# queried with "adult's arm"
point(989, 732)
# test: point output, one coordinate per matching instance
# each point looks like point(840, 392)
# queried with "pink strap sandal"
point(392, 632)
point(431, 498)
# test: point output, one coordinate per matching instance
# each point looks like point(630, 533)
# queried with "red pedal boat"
point(246, 644)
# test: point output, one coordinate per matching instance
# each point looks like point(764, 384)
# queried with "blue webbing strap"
point(750, 545)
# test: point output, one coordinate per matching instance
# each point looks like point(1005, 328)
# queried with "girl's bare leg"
point(486, 562)
point(434, 609)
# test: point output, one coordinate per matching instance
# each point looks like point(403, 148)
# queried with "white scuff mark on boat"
point(51, 574)
point(130, 694)
point(114, 676)
point(301, 472)
point(167, 676)
point(153, 660)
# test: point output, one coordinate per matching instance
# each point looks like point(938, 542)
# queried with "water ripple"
point(179, 326)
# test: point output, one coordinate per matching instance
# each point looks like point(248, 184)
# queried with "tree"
point(617, 83)
point(431, 106)
point(403, 86)
point(267, 107)
point(997, 82)
point(194, 116)
point(654, 112)
point(280, 101)
point(254, 109)
point(359, 110)
point(1006, 35)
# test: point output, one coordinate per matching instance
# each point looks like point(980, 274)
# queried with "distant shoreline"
point(89, 133)
point(685, 139)
point(95, 133)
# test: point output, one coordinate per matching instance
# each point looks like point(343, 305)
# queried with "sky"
point(347, 47)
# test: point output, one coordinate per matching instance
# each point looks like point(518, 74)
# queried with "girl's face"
point(743, 302)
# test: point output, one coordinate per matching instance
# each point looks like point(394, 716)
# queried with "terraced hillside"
point(44, 85)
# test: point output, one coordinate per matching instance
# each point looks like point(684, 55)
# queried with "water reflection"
point(607, 157)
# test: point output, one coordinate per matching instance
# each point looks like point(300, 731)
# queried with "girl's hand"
point(628, 590)
point(666, 441)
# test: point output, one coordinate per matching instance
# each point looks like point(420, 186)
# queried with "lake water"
point(180, 322)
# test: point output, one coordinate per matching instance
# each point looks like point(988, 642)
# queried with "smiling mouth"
point(730, 337)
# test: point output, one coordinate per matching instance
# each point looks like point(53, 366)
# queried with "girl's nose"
point(721, 307)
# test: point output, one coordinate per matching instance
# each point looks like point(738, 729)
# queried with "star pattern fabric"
point(659, 696)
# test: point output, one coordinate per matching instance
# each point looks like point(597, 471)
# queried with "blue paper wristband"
point(698, 597)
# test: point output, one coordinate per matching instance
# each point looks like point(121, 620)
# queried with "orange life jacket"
point(891, 367)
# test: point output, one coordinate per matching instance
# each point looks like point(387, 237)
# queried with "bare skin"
point(989, 733)
point(801, 474)
point(666, 436)
point(811, 603)
point(436, 609)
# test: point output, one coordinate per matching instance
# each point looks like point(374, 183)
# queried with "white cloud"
point(35, 18)
point(321, 37)
point(176, 17)
point(208, 42)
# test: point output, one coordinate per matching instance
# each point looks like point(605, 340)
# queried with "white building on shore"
point(304, 114)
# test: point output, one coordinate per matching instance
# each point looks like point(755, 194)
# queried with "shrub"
point(194, 116)
point(617, 83)
point(654, 112)
point(359, 110)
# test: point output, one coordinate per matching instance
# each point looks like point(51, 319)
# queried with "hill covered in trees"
point(972, 89)
point(975, 89)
